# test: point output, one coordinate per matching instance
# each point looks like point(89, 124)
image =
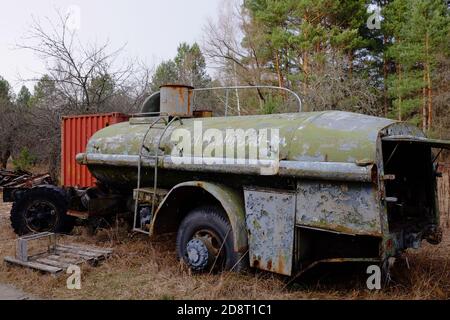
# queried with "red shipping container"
point(75, 134)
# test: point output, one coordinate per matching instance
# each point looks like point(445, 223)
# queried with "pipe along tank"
point(280, 192)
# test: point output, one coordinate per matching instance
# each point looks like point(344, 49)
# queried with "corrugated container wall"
point(76, 132)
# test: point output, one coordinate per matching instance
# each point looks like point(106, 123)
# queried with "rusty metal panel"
point(270, 218)
point(351, 208)
point(176, 100)
point(202, 114)
point(75, 133)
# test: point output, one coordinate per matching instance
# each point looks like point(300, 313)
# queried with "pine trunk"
point(399, 93)
point(278, 69)
point(429, 86)
point(385, 75)
point(424, 103)
point(305, 72)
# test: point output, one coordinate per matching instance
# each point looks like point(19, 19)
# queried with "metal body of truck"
point(332, 187)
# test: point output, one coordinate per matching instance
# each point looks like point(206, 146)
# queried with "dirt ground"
point(140, 269)
point(8, 292)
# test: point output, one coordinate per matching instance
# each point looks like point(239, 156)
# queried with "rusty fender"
point(231, 201)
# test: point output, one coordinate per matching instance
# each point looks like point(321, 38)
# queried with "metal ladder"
point(140, 194)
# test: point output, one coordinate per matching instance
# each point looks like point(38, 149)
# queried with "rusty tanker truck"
point(279, 192)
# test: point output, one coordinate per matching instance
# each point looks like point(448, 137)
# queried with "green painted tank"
point(311, 136)
point(330, 145)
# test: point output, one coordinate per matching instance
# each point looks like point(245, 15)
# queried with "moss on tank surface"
point(331, 136)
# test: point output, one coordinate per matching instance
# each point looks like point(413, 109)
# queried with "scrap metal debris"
point(22, 179)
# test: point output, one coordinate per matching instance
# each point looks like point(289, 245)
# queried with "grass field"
point(140, 269)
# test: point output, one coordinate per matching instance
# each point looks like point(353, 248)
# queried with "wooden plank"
point(75, 256)
point(36, 236)
point(22, 249)
point(34, 265)
point(88, 249)
point(53, 263)
point(69, 260)
point(79, 252)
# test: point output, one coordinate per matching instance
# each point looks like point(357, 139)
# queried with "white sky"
point(151, 29)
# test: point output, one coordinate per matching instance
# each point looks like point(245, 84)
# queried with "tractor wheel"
point(205, 241)
point(41, 209)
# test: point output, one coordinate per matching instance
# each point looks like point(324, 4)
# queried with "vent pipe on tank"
point(176, 100)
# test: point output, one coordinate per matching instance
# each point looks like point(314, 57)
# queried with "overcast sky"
point(151, 29)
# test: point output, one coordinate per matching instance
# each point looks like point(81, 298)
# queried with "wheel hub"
point(40, 216)
point(197, 254)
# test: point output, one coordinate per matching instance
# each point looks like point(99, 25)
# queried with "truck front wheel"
point(205, 241)
point(41, 209)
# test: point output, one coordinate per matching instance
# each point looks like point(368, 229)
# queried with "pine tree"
point(296, 39)
point(5, 89)
point(24, 97)
point(418, 28)
point(165, 73)
point(191, 66)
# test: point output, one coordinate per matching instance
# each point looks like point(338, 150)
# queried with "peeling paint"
point(270, 216)
point(348, 207)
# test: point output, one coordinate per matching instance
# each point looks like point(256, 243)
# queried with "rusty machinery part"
point(204, 241)
point(91, 193)
point(22, 179)
point(40, 209)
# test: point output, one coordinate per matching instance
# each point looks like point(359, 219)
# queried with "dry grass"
point(140, 269)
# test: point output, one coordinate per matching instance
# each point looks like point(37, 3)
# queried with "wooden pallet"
point(58, 257)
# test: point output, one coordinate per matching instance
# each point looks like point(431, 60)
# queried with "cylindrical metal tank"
point(329, 145)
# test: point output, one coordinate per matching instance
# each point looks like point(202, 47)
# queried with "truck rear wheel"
point(41, 209)
point(205, 241)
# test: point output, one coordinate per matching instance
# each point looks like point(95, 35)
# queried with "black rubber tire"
point(52, 194)
point(214, 219)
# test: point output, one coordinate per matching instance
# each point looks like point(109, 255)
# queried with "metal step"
point(145, 195)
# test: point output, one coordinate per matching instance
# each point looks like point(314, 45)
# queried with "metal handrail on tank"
point(297, 97)
point(155, 177)
point(136, 202)
point(156, 157)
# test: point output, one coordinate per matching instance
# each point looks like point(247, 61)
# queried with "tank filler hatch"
point(171, 100)
point(176, 100)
